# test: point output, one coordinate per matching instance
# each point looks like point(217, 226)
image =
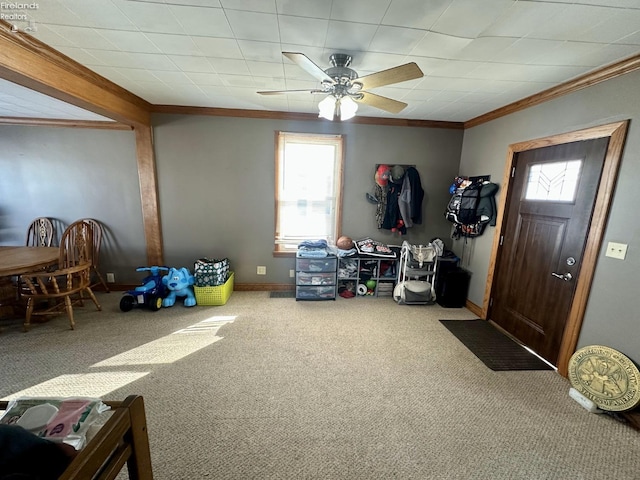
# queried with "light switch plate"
point(616, 250)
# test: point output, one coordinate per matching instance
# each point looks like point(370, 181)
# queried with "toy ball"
point(344, 243)
point(371, 284)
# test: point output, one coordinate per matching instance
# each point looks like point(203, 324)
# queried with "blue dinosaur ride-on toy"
point(150, 294)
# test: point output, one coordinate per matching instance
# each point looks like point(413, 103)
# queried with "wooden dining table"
point(19, 260)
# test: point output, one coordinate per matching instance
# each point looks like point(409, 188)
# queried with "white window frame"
point(286, 243)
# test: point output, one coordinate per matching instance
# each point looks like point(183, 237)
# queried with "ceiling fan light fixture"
point(347, 107)
point(327, 107)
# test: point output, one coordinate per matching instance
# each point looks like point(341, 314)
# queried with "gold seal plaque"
point(605, 376)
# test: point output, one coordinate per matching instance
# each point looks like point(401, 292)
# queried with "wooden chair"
point(40, 233)
point(95, 254)
point(60, 289)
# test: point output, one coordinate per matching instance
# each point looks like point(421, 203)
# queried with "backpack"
point(462, 211)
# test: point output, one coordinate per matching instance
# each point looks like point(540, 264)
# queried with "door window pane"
point(557, 181)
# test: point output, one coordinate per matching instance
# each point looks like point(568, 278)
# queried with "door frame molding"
point(617, 133)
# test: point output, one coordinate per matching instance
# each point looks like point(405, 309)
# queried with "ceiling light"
point(343, 107)
point(347, 108)
point(327, 107)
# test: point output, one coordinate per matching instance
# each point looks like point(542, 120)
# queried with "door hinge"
point(501, 239)
point(513, 172)
point(491, 302)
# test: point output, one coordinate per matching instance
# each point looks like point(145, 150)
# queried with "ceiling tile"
point(365, 63)
point(175, 78)
point(438, 45)
point(484, 49)
point(415, 13)
point(174, 44)
point(134, 60)
point(196, 3)
point(372, 11)
point(49, 35)
point(254, 26)
point(561, 53)
point(151, 17)
point(608, 54)
point(304, 8)
point(204, 78)
point(345, 37)
point(455, 69)
point(571, 23)
point(82, 56)
point(186, 63)
point(104, 14)
point(264, 6)
point(84, 37)
point(523, 19)
point(469, 18)
point(229, 66)
point(266, 69)
point(612, 28)
point(396, 40)
point(218, 47)
point(303, 31)
point(129, 41)
point(527, 50)
point(202, 21)
point(260, 51)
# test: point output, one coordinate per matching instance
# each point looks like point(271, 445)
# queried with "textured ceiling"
point(476, 55)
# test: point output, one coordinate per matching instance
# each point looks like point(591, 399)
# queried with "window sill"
point(284, 253)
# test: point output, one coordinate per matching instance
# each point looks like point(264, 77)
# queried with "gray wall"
point(68, 174)
point(216, 183)
point(611, 317)
point(216, 186)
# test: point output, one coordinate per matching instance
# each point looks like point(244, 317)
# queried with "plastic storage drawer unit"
point(316, 278)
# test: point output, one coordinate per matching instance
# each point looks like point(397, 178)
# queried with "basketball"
point(344, 243)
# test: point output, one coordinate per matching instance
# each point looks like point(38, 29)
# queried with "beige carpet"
point(359, 388)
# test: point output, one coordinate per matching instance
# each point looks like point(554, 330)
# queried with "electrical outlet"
point(616, 250)
point(262, 270)
point(292, 273)
point(111, 278)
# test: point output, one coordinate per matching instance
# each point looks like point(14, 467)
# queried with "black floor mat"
point(284, 294)
point(494, 348)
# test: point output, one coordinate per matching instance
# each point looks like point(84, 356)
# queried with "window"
point(557, 181)
point(308, 188)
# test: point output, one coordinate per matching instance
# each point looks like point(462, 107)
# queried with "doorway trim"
point(617, 133)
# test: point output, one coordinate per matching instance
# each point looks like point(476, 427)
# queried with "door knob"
point(566, 277)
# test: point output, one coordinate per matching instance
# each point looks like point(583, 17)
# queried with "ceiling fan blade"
point(281, 92)
point(308, 66)
point(383, 103)
point(409, 71)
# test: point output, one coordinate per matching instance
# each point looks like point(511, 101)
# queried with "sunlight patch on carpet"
point(96, 384)
point(172, 347)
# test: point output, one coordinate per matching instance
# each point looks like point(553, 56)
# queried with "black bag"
point(463, 206)
point(462, 211)
point(469, 200)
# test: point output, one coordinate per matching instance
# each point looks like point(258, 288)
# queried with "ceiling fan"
point(344, 88)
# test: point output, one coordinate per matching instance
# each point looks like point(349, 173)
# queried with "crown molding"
point(609, 72)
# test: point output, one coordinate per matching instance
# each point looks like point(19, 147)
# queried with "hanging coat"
point(411, 197)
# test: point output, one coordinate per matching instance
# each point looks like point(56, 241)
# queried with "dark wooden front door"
point(546, 226)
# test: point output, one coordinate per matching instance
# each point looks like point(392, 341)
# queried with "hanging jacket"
point(487, 209)
point(411, 197)
point(392, 215)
